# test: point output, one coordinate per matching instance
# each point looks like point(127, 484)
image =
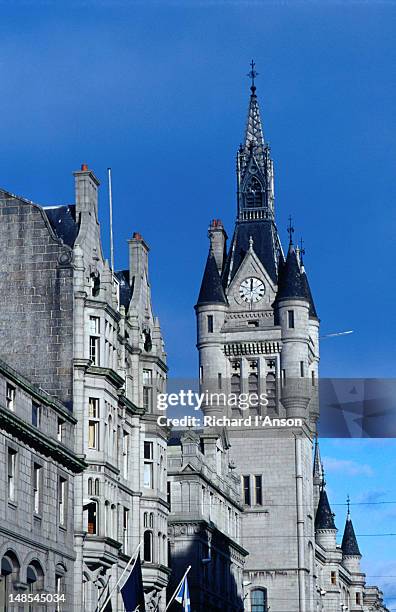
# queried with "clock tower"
point(258, 343)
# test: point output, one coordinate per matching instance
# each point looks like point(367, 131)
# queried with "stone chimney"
point(86, 190)
point(218, 240)
point(138, 256)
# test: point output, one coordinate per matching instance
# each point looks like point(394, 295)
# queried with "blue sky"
point(158, 91)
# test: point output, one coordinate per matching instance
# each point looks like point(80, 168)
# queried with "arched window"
point(110, 435)
point(259, 600)
point(92, 517)
point(96, 486)
point(9, 573)
point(271, 390)
point(148, 546)
point(253, 383)
point(114, 528)
point(254, 194)
point(235, 384)
point(145, 519)
point(90, 486)
point(60, 582)
point(34, 579)
point(107, 520)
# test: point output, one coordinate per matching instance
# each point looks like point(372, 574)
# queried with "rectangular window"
point(125, 453)
point(94, 326)
point(246, 490)
point(10, 397)
point(148, 477)
point(258, 490)
point(37, 487)
point(333, 577)
point(200, 374)
point(36, 414)
point(61, 424)
point(12, 459)
point(125, 527)
point(94, 348)
point(147, 398)
point(219, 381)
point(290, 319)
point(147, 390)
point(358, 599)
point(62, 500)
point(169, 494)
point(210, 324)
point(302, 369)
point(313, 378)
point(93, 423)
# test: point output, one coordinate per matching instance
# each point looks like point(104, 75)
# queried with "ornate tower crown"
point(255, 172)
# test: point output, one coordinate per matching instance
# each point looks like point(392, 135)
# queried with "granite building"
point(205, 520)
point(90, 340)
point(258, 341)
point(38, 471)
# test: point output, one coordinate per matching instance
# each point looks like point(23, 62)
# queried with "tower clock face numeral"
point(252, 290)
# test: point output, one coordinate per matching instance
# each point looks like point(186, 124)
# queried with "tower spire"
point(254, 137)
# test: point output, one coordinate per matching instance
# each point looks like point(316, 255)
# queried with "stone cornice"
point(108, 373)
point(38, 441)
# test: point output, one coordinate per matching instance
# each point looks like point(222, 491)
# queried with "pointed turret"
point(349, 544)
point(324, 519)
point(317, 467)
point(291, 284)
point(211, 291)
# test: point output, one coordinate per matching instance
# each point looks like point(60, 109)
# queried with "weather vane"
point(252, 74)
point(302, 250)
point(290, 230)
point(348, 504)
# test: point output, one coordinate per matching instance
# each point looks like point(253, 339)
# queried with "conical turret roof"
point(290, 280)
point(324, 518)
point(349, 544)
point(211, 291)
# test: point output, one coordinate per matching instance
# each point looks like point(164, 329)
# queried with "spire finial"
point(302, 251)
point(290, 230)
point(250, 243)
point(348, 506)
point(252, 74)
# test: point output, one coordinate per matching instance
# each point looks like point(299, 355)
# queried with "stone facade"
point(258, 344)
point(39, 468)
point(90, 339)
point(205, 521)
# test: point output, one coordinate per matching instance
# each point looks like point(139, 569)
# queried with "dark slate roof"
point(324, 518)
point(126, 290)
point(212, 291)
point(263, 234)
point(349, 542)
point(308, 294)
point(63, 222)
point(290, 281)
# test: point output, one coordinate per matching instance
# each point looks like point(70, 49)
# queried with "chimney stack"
point(86, 190)
point(218, 241)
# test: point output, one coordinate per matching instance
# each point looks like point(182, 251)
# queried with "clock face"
point(252, 290)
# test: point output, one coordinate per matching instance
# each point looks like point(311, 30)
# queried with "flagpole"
point(121, 577)
point(178, 587)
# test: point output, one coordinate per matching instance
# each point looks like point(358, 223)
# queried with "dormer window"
point(254, 194)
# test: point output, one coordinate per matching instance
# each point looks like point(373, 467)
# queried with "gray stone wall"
point(36, 297)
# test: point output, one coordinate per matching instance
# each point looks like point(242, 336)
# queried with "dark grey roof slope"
point(349, 542)
point(308, 294)
point(324, 518)
point(63, 222)
point(126, 290)
point(290, 281)
point(212, 291)
point(263, 233)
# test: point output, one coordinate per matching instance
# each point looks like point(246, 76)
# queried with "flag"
point(183, 596)
point(132, 591)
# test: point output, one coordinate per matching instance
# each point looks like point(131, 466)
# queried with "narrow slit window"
point(210, 324)
point(290, 319)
